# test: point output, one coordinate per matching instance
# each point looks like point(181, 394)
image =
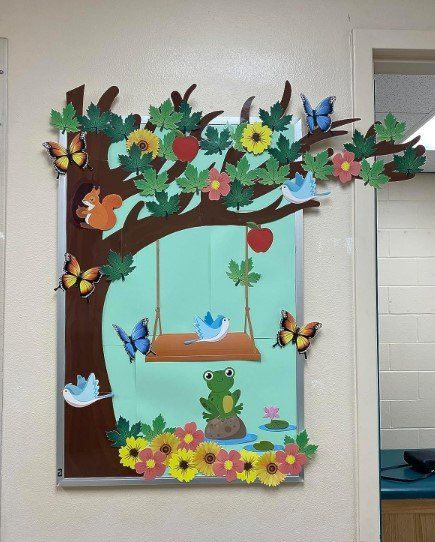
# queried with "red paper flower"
point(228, 464)
point(290, 460)
point(151, 464)
point(190, 436)
point(218, 185)
point(345, 166)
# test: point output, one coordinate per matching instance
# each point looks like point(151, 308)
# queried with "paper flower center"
point(143, 145)
point(166, 449)
point(228, 465)
point(209, 458)
point(247, 466)
point(134, 452)
point(184, 464)
point(188, 438)
point(215, 184)
point(256, 137)
point(272, 468)
point(345, 166)
point(290, 459)
point(150, 463)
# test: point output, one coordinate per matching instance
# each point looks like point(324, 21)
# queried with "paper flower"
point(228, 465)
point(268, 470)
point(190, 436)
point(181, 465)
point(151, 464)
point(256, 137)
point(249, 472)
point(345, 166)
point(145, 140)
point(218, 184)
point(205, 457)
point(129, 453)
point(271, 412)
point(290, 460)
point(166, 443)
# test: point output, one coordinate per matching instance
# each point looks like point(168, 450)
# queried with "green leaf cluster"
point(362, 147)
point(242, 173)
point(391, 129)
point(273, 173)
point(165, 116)
point(284, 152)
point(164, 206)
point(117, 267)
point(165, 147)
point(215, 142)
point(134, 162)
point(119, 129)
point(123, 430)
point(151, 183)
point(238, 196)
point(302, 441)
point(373, 175)
point(409, 163)
point(65, 121)
point(193, 180)
point(236, 133)
point(318, 165)
point(157, 426)
point(189, 121)
point(95, 120)
point(238, 273)
point(276, 120)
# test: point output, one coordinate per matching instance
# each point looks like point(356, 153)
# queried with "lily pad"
point(263, 446)
point(277, 424)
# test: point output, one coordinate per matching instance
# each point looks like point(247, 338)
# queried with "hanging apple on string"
point(259, 239)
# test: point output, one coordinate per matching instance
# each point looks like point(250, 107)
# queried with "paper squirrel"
point(99, 215)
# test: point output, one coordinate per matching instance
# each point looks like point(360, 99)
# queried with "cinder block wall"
point(406, 259)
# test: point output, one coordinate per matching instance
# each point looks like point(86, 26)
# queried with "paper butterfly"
point(319, 116)
point(291, 333)
point(73, 276)
point(138, 340)
point(62, 157)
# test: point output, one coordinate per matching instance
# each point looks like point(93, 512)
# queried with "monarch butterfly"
point(291, 333)
point(62, 157)
point(73, 276)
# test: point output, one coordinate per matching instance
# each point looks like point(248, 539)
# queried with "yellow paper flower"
point(129, 453)
point(250, 472)
point(256, 138)
point(145, 140)
point(204, 457)
point(181, 465)
point(166, 443)
point(268, 471)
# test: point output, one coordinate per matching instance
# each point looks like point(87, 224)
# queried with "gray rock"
point(225, 429)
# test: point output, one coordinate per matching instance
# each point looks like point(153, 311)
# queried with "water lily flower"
point(190, 436)
point(218, 184)
point(151, 464)
point(345, 166)
point(291, 460)
point(271, 412)
point(228, 465)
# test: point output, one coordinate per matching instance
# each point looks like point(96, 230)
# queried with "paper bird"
point(300, 189)
point(85, 393)
point(209, 330)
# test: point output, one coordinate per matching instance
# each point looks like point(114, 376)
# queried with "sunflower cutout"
point(256, 137)
point(166, 443)
point(205, 457)
point(129, 453)
point(145, 140)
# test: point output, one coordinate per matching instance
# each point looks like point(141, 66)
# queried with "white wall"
point(231, 50)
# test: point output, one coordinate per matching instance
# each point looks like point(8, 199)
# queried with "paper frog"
point(221, 402)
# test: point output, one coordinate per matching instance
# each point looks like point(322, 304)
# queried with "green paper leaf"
point(65, 121)
point(318, 165)
point(164, 206)
point(134, 162)
point(165, 147)
point(152, 183)
point(118, 267)
point(189, 121)
point(362, 147)
point(158, 424)
point(158, 427)
point(241, 172)
point(373, 175)
point(273, 173)
point(276, 120)
point(119, 129)
point(288, 440)
point(391, 129)
point(214, 141)
point(119, 435)
point(236, 133)
point(193, 181)
point(238, 196)
point(409, 163)
point(96, 120)
point(165, 116)
point(135, 429)
point(284, 152)
point(237, 273)
point(310, 450)
point(302, 440)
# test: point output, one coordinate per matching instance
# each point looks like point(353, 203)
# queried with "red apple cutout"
point(185, 148)
point(259, 239)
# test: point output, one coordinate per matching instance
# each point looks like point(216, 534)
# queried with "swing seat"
point(234, 347)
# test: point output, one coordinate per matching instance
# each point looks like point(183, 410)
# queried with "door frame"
point(366, 44)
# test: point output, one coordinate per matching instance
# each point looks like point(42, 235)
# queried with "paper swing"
point(235, 346)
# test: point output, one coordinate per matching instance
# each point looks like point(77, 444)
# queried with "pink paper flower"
point(228, 464)
point(271, 412)
point(151, 464)
point(190, 436)
point(345, 166)
point(290, 460)
point(218, 185)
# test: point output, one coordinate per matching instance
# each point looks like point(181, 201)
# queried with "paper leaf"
point(409, 163)
point(362, 147)
point(95, 121)
point(158, 427)
point(119, 129)
point(118, 267)
point(237, 273)
point(189, 121)
point(275, 119)
point(164, 206)
point(65, 121)
point(152, 182)
point(236, 136)
point(159, 424)
point(318, 165)
point(193, 181)
point(289, 440)
point(273, 173)
point(373, 175)
point(310, 450)
point(119, 435)
point(134, 162)
point(214, 141)
point(241, 172)
point(135, 429)
point(165, 116)
point(391, 129)
point(284, 152)
point(238, 196)
point(302, 439)
point(165, 147)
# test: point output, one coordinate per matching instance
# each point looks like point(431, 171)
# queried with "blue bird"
point(85, 393)
point(301, 189)
point(209, 330)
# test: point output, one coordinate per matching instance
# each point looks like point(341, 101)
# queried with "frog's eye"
point(229, 372)
point(208, 375)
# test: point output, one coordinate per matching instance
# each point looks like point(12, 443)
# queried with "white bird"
point(301, 189)
point(85, 393)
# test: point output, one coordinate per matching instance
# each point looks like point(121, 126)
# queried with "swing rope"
point(157, 321)
point(248, 323)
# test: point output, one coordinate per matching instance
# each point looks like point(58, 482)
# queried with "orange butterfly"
point(73, 276)
point(291, 333)
point(62, 157)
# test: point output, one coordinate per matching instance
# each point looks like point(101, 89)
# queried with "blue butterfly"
point(319, 116)
point(138, 340)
